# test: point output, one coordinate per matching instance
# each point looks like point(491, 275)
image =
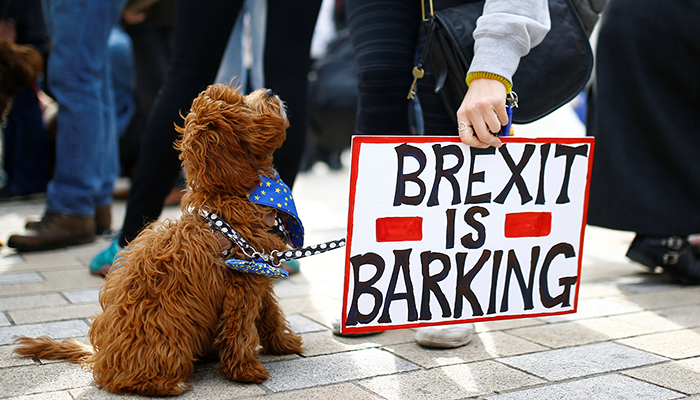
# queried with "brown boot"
point(45, 219)
point(103, 220)
point(55, 231)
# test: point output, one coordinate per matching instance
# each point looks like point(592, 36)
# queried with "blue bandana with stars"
point(276, 194)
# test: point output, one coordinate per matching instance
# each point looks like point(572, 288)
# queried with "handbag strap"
point(418, 71)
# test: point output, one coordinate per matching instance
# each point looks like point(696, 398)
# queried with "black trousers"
point(387, 37)
point(643, 112)
point(200, 36)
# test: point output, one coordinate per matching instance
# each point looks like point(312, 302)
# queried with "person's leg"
point(642, 180)
point(287, 64)
point(151, 49)
point(384, 36)
point(122, 73)
point(78, 67)
point(25, 147)
point(435, 118)
point(109, 146)
point(85, 154)
point(196, 57)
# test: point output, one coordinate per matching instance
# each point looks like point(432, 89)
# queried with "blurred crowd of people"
point(118, 74)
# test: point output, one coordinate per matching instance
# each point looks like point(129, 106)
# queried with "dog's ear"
point(226, 144)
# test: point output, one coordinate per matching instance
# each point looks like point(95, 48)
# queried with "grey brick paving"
point(27, 380)
point(83, 296)
point(301, 324)
point(556, 365)
point(8, 359)
point(62, 395)
point(28, 302)
point(54, 313)
point(451, 382)
point(635, 335)
point(682, 376)
point(484, 346)
point(590, 308)
point(57, 330)
point(333, 368)
point(339, 391)
point(6, 279)
point(598, 388)
point(674, 344)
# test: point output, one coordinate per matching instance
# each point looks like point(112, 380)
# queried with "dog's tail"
point(49, 349)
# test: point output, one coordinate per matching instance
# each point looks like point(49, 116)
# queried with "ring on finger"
point(463, 126)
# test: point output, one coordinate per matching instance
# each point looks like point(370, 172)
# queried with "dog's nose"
point(269, 93)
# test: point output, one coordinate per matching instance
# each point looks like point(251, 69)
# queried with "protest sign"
point(442, 233)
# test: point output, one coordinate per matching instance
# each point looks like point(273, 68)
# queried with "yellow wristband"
point(488, 75)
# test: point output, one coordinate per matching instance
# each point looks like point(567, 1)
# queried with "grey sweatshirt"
point(505, 32)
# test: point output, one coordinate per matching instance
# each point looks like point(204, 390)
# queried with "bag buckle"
point(673, 242)
point(671, 258)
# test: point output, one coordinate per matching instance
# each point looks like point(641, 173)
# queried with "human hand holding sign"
point(483, 111)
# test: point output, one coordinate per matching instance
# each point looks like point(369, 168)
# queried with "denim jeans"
point(122, 65)
point(79, 78)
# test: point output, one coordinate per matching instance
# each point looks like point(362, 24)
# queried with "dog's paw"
point(287, 344)
point(150, 387)
point(253, 372)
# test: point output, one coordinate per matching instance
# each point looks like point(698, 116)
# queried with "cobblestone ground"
point(636, 335)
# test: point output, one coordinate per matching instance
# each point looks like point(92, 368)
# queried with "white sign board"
point(441, 233)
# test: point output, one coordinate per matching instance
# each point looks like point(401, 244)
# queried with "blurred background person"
point(643, 112)
point(196, 58)
point(79, 194)
point(26, 146)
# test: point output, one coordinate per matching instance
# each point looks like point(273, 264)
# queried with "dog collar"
point(259, 263)
point(272, 193)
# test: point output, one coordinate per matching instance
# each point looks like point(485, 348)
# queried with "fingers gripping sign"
point(483, 113)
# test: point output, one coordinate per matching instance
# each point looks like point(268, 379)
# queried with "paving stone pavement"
point(636, 335)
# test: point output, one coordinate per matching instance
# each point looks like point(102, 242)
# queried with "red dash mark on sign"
point(528, 224)
point(399, 229)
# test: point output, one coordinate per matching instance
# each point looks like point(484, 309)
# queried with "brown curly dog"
point(169, 300)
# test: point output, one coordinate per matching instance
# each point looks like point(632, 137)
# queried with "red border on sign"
point(358, 141)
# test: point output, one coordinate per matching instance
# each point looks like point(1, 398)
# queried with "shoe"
point(292, 267)
point(102, 262)
point(55, 231)
point(103, 220)
point(335, 328)
point(45, 219)
point(674, 254)
point(445, 336)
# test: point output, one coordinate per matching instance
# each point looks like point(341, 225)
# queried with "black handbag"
point(552, 74)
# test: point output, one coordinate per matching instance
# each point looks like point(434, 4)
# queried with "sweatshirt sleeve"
point(505, 32)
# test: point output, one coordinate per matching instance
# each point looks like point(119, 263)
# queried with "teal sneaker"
point(291, 266)
point(102, 262)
